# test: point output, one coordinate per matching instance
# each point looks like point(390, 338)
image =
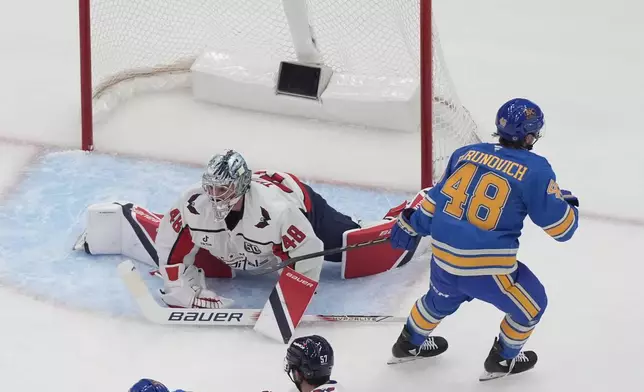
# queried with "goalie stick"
point(158, 314)
point(291, 261)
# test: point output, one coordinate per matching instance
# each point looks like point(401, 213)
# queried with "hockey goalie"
point(235, 219)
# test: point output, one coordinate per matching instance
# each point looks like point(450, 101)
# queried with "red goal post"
point(391, 40)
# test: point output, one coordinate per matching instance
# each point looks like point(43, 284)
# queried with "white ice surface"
point(586, 340)
point(581, 60)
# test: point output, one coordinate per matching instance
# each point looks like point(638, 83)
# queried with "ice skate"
point(497, 366)
point(404, 351)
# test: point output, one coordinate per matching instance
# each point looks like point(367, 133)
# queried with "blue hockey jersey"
point(476, 211)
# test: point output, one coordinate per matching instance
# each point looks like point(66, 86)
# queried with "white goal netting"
point(135, 39)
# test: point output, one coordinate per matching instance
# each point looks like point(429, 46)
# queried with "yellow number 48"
point(484, 207)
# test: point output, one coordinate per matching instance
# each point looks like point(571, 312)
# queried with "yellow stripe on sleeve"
point(562, 226)
point(428, 207)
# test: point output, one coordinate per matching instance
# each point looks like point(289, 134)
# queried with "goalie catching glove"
point(185, 287)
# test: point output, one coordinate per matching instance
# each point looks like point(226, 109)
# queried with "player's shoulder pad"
point(260, 197)
point(537, 159)
point(191, 200)
point(462, 151)
point(539, 167)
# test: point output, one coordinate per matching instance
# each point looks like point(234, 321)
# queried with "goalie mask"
point(225, 181)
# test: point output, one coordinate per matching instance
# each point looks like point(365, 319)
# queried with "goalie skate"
point(80, 243)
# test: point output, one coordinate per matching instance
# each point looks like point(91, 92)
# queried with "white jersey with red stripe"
point(273, 227)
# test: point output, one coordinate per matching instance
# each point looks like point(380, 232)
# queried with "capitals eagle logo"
point(263, 221)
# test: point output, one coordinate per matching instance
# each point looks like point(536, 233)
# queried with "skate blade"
point(487, 376)
point(396, 361)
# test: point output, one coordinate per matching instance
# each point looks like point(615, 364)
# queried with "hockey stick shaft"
point(328, 252)
point(158, 314)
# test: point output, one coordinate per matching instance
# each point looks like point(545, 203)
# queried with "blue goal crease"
point(41, 220)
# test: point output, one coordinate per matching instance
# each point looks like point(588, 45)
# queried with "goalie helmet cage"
point(124, 41)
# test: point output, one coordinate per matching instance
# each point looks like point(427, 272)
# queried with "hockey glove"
point(185, 287)
point(403, 234)
point(570, 198)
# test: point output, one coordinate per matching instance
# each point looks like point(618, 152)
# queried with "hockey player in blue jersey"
point(474, 215)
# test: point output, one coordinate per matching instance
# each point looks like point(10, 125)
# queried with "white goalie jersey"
point(273, 227)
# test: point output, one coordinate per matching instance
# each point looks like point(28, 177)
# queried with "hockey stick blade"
point(155, 313)
point(293, 260)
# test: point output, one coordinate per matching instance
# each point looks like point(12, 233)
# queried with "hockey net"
point(151, 45)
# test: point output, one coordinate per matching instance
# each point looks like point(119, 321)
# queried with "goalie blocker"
point(130, 230)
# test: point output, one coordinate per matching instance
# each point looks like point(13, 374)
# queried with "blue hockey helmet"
point(148, 385)
point(309, 358)
point(519, 118)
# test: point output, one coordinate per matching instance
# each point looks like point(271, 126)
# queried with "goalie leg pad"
point(372, 260)
point(395, 211)
point(102, 235)
point(131, 230)
point(121, 229)
point(377, 259)
point(286, 305)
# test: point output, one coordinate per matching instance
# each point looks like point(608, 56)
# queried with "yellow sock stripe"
point(526, 306)
point(420, 305)
point(511, 342)
point(518, 327)
point(512, 333)
point(420, 321)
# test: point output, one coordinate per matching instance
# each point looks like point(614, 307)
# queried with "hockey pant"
point(328, 224)
point(519, 295)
